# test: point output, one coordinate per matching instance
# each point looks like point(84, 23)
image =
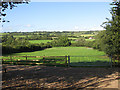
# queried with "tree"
point(62, 41)
point(5, 4)
point(111, 37)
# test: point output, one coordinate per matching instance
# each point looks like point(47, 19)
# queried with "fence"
point(35, 60)
point(93, 60)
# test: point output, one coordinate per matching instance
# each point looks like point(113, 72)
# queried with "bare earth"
point(46, 77)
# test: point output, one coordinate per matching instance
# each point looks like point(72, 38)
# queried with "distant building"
point(90, 37)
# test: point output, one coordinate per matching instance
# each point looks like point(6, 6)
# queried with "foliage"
point(9, 4)
point(109, 40)
point(39, 41)
point(61, 41)
point(11, 44)
point(79, 42)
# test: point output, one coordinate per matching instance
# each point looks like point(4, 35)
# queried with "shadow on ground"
point(45, 77)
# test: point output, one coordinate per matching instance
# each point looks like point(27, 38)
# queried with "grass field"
point(72, 38)
point(89, 39)
point(85, 39)
point(18, 36)
point(78, 55)
point(87, 35)
point(39, 41)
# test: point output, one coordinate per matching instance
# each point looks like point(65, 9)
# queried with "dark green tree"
point(110, 40)
point(5, 4)
point(62, 41)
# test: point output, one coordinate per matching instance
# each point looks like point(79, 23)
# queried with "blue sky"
point(57, 16)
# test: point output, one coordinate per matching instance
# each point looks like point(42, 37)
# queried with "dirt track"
point(45, 77)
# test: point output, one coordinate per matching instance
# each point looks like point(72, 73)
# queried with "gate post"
point(65, 60)
point(11, 60)
point(68, 61)
point(111, 61)
point(44, 59)
point(26, 60)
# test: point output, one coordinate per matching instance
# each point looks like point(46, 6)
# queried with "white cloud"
point(97, 28)
point(76, 27)
point(28, 25)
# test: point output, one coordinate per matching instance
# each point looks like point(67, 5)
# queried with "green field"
point(39, 41)
point(89, 39)
point(78, 55)
point(87, 35)
point(62, 51)
point(85, 39)
point(72, 38)
point(18, 36)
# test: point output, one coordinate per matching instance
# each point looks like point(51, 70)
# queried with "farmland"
point(83, 54)
point(39, 41)
point(62, 51)
point(73, 44)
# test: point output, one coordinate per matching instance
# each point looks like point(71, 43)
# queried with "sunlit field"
point(78, 55)
point(39, 41)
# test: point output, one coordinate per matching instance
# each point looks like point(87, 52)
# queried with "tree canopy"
point(9, 4)
point(109, 40)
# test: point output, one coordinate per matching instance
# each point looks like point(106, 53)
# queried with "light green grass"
point(19, 36)
point(72, 38)
point(73, 41)
point(89, 39)
point(4, 33)
point(39, 41)
point(87, 35)
point(78, 55)
point(85, 39)
point(62, 51)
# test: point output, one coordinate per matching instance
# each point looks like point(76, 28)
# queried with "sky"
point(57, 16)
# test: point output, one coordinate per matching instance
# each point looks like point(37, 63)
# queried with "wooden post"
point(2, 61)
point(65, 60)
point(68, 61)
point(17, 62)
point(11, 60)
point(26, 60)
point(111, 61)
point(43, 59)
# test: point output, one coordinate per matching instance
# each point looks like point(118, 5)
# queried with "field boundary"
point(35, 60)
point(56, 60)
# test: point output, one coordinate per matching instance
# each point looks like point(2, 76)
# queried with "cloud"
point(97, 28)
point(28, 25)
point(76, 27)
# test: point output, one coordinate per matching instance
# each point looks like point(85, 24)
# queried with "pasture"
point(87, 35)
point(78, 55)
point(89, 39)
point(39, 41)
point(19, 36)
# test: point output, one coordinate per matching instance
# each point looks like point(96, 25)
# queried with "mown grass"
point(39, 41)
point(78, 55)
point(72, 38)
point(85, 39)
point(89, 39)
point(87, 35)
point(18, 36)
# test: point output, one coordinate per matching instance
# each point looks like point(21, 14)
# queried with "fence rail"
point(37, 60)
point(95, 60)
